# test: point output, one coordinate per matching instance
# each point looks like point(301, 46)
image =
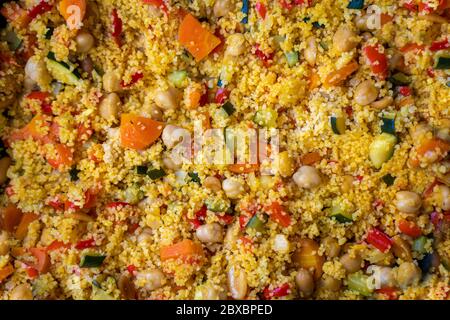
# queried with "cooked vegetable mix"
point(343, 193)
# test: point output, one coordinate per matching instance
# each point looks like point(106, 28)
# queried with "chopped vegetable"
point(359, 282)
point(42, 260)
point(22, 228)
point(388, 179)
point(186, 250)
point(409, 228)
point(217, 205)
point(6, 271)
point(377, 59)
point(139, 132)
point(412, 47)
point(379, 240)
point(11, 217)
point(308, 258)
point(142, 170)
point(278, 292)
point(340, 215)
point(292, 58)
point(256, 224)
point(442, 62)
point(134, 79)
point(338, 124)
point(41, 8)
point(388, 125)
point(355, 4)
point(91, 261)
point(440, 45)
point(195, 38)
point(85, 244)
point(419, 244)
point(228, 108)
point(222, 95)
point(245, 10)
point(243, 168)
point(117, 27)
point(266, 118)
point(62, 157)
point(279, 214)
point(14, 42)
point(156, 174)
point(382, 149)
point(400, 79)
point(74, 174)
point(261, 9)
point(335, 78)
point(266, 58)
point(177, 78)
point(194, 177)
point(62, 71)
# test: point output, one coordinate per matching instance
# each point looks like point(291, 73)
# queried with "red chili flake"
point(131, 269)
point(134, 79)
point(261, 9)
point(281, 291)
point(359, 178)
point(379, 240)
point(440, 45)
point(39, 9)
point(84, 244)
point(56, 204)
point(405, 91)
point(222, 96)
point(266, 59)
point(117, 27)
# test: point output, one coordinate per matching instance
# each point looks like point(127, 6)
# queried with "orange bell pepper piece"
point(279, 214)
point(139, 132)
point(42, 259)
point(195, 38)
point(22, 229)
point(6, 271)
point(337, 77)
point(186, 250)
point(63, 157)
point(243, 168)
point(10, 217)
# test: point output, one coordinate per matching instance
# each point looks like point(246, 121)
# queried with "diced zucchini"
point(341, 216)
point(266, 118)
point(73, 172)
point(100, 294)
point(177, 78)
point(256, 224)
point(338, 124)
point(442, 62)
point(228, 108)
point(355, 4)
point(62, 71)
point(156, 174)
point(142, 170)
point(49, 33)
point(400, 79)
point(419, 244)
point(382, 149)
point(217, 205)
point(13, 41)
point(388, 125)
point(388, 179)
point(194, 177)
point(427, 263)
point(91, 261)
point(292, 58)
point(317, 25)
point(359, 282)
point(324, 45)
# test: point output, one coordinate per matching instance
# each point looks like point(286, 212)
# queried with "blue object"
point(219, 83)
point(244, 10)
point(356, 4)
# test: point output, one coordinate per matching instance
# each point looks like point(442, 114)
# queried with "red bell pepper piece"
point(279, 292)
point(222, 96)
point(279, 214)
point(266, 59)
point(410, 6)
point(412, 47)
point(409, 228)
point(440, 45)
point(226, 218)
point(261, 9)
point(379, 240)
point(378, 60)
point(390, 293)
point(56, 245)
point(41, 8)
point(31, 272)
point(134, 79)
point(131, 269)
point(38, 95)
point(405, 91)
point(84, 244)
point(117, 27)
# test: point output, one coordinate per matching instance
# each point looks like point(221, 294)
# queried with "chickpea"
point(382, 103)
point(233, 188)
point(21, 292)
point(408, 202)
point(4, 166)
point(332, 247)
point(401, 248)
point(330, 284)
point(210, 233)
point(237, 283)
point(36, 70)
point(168, 100)
point(351, 263)
point(387, 277)
point(110, 107)
point(170, 163)
point(154, 112)
point(212, 183)
point(408, 274)
point(154, 279)
point(344, 39)
point(222, 8)
point(111, 81)
point(210, 292)
point(307, 177)
point(305, 282)
point(366, 93)
point(235, 45)
point(172, 135)
point(310, 52)
point(285, 164)
point(4, 244)
point(85, 41)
